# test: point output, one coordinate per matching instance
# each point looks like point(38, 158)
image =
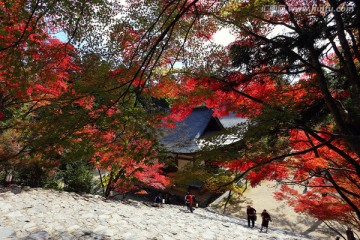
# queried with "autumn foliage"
point(61, 103)
point(293, 74)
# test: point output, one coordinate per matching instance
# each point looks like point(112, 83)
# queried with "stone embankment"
point(49, 214)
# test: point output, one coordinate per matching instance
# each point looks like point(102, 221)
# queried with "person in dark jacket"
point(158, 201)
point(350, 234)
point(251, 215)
point(266, 218)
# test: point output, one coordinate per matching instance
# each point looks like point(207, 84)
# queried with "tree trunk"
point(227, 201)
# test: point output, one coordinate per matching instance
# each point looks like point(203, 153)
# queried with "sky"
point(223, 37)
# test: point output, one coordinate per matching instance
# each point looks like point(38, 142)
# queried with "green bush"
point(78, 177)
point(34, 173)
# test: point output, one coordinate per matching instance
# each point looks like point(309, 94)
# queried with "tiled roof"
point(182, 138)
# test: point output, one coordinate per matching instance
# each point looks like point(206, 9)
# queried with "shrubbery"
point(78, 177)
point(75, 176)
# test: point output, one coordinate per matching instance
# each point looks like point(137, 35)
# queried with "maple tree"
point(67, 104)
point(35, 71)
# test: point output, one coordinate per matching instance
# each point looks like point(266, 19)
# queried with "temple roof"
point(184, 138)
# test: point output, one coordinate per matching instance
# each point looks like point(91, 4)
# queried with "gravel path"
point(49, 214)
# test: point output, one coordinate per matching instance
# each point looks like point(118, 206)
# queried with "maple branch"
point(316, 65)
point(24, 31)
point(183, 44)
point(237, 178)
point(351, 160)
point(303, 182)
point(153, 65)
point(334, 229)
point(292, 17)
point(342, 169)
point(337, 135)
point(340, 191)
point(335, 48)
point(163, 49)
point(151, 52)
point(348, 158)
point(265, 39)
point(317, 68)
point(350, 65)
point(280, 72)
point(257, 100)
point(330, 102)
point(355, 46)
point(153, 25)
point(349, 192)
point(273, 22)
point(299, 183)
point(112, 180)
point(164, 33)
point(76, 25)
point(101, 181)
point(312, 144)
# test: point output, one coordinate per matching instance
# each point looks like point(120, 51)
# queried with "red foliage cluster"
point(40, 69)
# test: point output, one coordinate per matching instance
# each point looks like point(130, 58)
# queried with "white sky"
point(223, 37)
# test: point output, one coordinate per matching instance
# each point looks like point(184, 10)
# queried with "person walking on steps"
point(189, 201)
point(350, 234)
point(251, 215)
point(266, 218)
point(158, 201)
